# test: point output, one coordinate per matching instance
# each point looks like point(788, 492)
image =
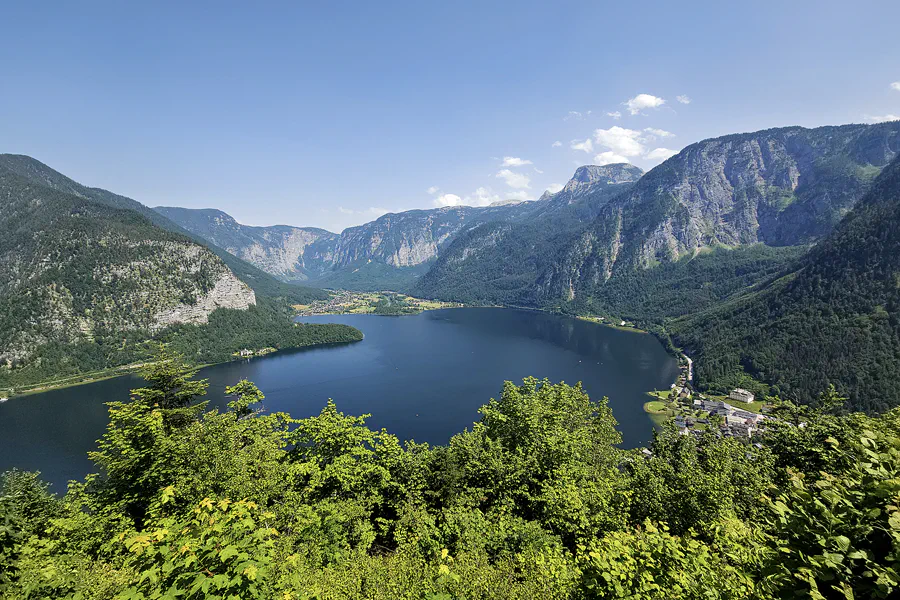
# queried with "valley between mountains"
point(703, 251)
point(688, 251)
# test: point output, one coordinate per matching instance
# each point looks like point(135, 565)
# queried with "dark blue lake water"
point(422, 377)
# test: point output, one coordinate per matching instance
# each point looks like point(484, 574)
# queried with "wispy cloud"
point(447, 200)
point(896, 86)
point(609, 158)
point(513, 161)
point(514, 180)
point(881, 119)
point(482, 196)
point(659, 132)
point(622, 141)
point(614, 114)
point(585, 146)
point(683, 99)
point(556, 144)
point(373, 211)
point(620, 144)
point(433, 189)
point(660, 154)
point(643, 101)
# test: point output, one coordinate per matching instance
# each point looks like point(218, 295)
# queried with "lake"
point(421, 377)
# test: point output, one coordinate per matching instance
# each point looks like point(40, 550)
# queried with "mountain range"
point(832, 318)
point(397, 248)
point(729, 232)
point(87, 276)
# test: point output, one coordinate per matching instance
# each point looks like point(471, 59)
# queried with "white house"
point(741, 395)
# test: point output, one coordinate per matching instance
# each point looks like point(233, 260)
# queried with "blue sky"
point(329, 113)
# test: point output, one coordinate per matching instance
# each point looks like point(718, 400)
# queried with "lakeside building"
point(741, 395)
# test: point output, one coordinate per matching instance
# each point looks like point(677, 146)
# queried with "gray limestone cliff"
point(781, 187)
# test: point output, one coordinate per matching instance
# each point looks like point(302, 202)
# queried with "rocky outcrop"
point(785, 186)
point(82, 268)
point(289, 253)
point(393, 241)
point(228, 292)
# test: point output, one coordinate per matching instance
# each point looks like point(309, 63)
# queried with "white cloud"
point(521, 196)
point(574, 115)
point(641, 101)
point(609, 158)
point(556, 144)
point(447, 200)
point(554, 187)
point(659, 132)
point(660, 154)
point(683, 99)
point(538, 171)
point(512, 161)
point(482, 197)
point(619, 144)
point(513, 179)
point(614, 114)
point(625, 142)
point(896, 86)
point(882, 118)
point(433, 189)
point(587, 145)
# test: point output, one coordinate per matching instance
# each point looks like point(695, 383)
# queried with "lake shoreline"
point(124, 370)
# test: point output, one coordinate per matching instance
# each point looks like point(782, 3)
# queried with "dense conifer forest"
point(832, 318)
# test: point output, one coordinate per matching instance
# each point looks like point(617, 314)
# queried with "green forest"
point(831, 318)
point(536, 500)
point(268, 324)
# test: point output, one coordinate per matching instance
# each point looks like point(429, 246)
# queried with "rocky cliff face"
point(73, 269)
point(500, 262)
point(396, 241)
point(227, 292)
point(781, 187)
point(290, 253)
point(591, 187)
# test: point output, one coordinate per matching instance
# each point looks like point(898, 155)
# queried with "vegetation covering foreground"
point(536, 501)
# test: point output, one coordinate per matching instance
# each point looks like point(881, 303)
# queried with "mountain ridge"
point(833, 318)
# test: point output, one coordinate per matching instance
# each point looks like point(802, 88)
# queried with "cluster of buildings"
point(732, 421)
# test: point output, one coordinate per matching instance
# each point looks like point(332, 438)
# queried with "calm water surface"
point(422, 377)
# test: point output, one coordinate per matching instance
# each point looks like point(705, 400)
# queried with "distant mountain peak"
point(615, 173)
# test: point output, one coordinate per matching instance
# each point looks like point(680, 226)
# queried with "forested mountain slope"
point(499, 262)
point(73, 270)
point(39, 174)
point(88, 277)
point(833, 319)
point(781, 187)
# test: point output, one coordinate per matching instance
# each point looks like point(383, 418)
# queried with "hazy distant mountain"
point(389, 252)
point(290, 253)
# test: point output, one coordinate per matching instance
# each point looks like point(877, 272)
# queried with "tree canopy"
point(536, 500)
